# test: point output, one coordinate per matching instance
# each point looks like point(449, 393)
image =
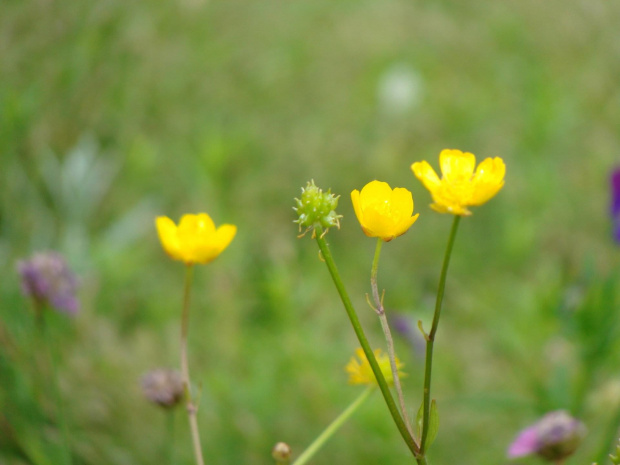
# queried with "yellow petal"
point(404, 226)
point(167, 232)
point(195, 240)
point(360, 371)
point(213, 244)
point(488, 180)
point(374, 193)
point(355, 200)
point(401, 203)
point(381, 211)
point(359, 213)
point(192, 224)
point(426, 174)
point(204, 223)
point(377, 224)
point(372, 200)
point(224, 236)
point(456, 166)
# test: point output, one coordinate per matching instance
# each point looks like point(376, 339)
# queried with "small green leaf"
point(433, 423)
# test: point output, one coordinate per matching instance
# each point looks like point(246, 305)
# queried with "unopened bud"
point(163, 387)
point(281, 453)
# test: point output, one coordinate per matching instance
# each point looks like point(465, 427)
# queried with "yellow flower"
point(383, 212)
point(360, 371)
point(461, 187)
point(195, 239)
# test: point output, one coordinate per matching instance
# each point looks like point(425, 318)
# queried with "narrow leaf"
point(433, 423)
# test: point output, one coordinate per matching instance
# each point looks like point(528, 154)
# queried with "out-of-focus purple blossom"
point(554, 437)
point(405, 328)
point(163, 387)
point(46, 277)
point(615, 202)
point(526, 443)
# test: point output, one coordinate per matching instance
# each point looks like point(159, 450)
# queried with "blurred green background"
point(116, 111)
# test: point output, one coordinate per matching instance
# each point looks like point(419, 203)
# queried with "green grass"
point(114, 112)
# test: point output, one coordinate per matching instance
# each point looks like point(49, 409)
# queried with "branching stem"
point(357, 327)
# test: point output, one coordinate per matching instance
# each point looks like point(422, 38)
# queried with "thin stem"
point(62, 418)
point(357, 327)
point(388, 334)
point(332, 428)
point(430, 338)
point(191, 408)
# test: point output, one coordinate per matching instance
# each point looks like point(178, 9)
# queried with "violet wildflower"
point(163, 387)
point(553, 438)
point(47, 279)
point(615, 202)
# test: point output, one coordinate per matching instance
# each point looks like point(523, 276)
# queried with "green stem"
point(388, 334)
point(357, 327)
point(430, 338)
point(62, 418)
point(332, 428)
point(191, 408)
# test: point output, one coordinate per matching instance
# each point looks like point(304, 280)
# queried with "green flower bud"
point(316, 209)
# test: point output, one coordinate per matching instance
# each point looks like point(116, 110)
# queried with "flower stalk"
point(357, 327)
point(191, 408)
point(380, 310)
point(430, 337)
point(333, 427)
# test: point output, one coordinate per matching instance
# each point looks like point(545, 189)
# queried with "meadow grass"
point(114, 112)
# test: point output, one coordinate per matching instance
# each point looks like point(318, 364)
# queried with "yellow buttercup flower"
point(383, 212)
point(360, 372)
point(195, 239)
point(461, 187)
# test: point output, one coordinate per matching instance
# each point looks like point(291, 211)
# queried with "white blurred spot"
point(399, 89)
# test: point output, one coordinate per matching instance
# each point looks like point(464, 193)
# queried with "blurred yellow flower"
point(461, 187)
point(195, 239)
point(360, 372)
point(383, 212)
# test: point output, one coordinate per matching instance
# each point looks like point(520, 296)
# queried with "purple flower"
point(615, 202)
point(47, 278)
point(554, 437)
point(525, 444)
